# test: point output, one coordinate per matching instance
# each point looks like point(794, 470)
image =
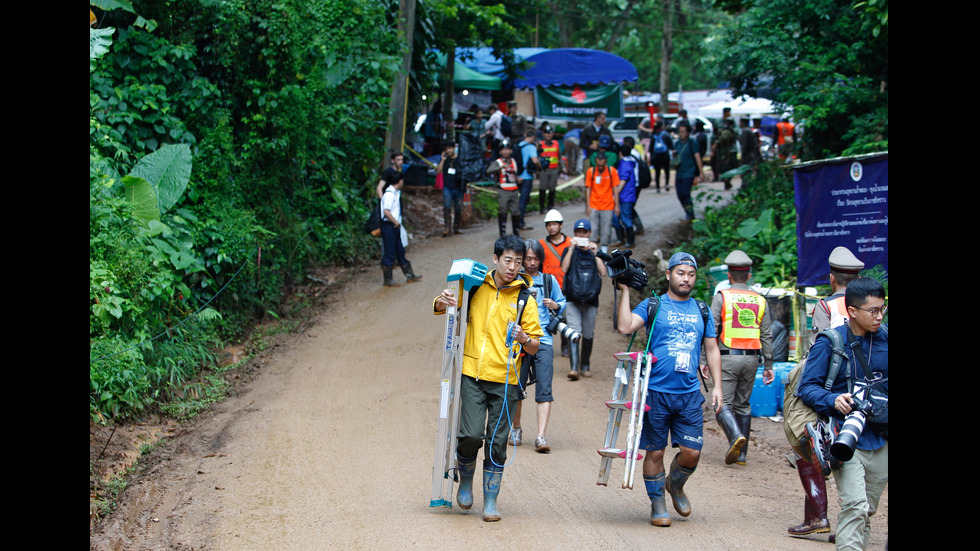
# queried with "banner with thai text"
point(840, 203)
point(579, 101)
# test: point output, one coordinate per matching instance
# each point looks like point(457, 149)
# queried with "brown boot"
point(815, 501)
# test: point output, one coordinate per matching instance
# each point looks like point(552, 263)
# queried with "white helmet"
point(553, 216)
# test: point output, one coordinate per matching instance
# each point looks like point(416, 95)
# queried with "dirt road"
point(331, 446)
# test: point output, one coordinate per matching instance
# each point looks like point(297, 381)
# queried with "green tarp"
point(464, 77)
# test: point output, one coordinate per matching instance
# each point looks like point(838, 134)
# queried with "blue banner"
point(840, 203)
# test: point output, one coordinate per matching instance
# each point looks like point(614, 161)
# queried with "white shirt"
point(391, 200)
point(493, 123)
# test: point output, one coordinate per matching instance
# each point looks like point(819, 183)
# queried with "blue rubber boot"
point(674, 484)
point(658, 509)
point(465, 467)
point(491, 487)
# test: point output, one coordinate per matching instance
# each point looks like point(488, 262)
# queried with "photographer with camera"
point(857, 406)
point(679, 328)
point(539, 370)
point(583, 283)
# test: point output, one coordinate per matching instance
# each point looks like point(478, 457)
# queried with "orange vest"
point(837, 309)
point(741, 318)
point(511, 168)
point(552, 263)
point(783, 129)
point(551, 152)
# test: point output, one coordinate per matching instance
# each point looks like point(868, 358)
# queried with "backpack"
point(506, 125)
point(645, 179)
point(797, 414)
point(518, 155)
point(373, 223)
point(659, 147)
point(582, 282)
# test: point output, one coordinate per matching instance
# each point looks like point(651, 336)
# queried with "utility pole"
point(666, 52)
point(399, 88)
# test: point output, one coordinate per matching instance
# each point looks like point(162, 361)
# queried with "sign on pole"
point(840, 202)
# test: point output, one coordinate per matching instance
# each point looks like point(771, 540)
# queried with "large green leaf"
point(169, 170)
point(140, 194)
point(99, 41)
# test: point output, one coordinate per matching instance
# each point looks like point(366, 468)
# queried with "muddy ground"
point(327, 440)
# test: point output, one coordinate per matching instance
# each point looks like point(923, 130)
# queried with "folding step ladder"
point(464, 275)
point(629, 395)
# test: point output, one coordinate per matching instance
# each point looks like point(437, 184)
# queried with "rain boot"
point(492, 475)
point(620, 237)
point(637, 224)
point(407, 270)
point(465, 467)
point(815, 501)
point(388, 281)
point(457, 220)
point(630, 238)
point(585, 355)
point(502, 224)
point(658, 504)
point(736, 440)
point(574, 374)
point(516, 223)
point(745, 426)
point(674, 484)
point(541, 198)
point(551, 199)
point(447, 216)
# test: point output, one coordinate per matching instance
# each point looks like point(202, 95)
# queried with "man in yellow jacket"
point(491, 369)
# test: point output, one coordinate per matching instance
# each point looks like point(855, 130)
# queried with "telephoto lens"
point(850, 431)
point(569, 333)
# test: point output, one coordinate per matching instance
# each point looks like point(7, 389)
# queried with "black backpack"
point(645, 179)
point(582, 282)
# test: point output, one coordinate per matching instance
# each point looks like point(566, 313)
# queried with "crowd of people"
point(721, 346)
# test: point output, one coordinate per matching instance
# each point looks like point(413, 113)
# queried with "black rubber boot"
point(745, 426)
point(736, 440)
point(637, 224)
point(574, 374)
point(447, 216)
point(674, 484)
point(541, 198)
point(409, 275)
point(388, 281)
point(515, 221)
point(630, 238)
point(502, 223)
point(551, 199)
point(586, 354)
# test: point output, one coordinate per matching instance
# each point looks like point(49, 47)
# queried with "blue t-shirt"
point(677, 337)
point(627, 167)
point(529, 151)
point(543, 313)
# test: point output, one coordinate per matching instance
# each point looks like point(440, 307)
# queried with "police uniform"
point(744, 335)
point(831, 311)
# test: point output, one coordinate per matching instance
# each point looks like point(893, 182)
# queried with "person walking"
point(529, 160)
point(659, 155)
point(602, 187)
point(453, 189)
point(554, 245)
point(627, 167)
point(391, 238)
point(549, 149)
point(491, 369)
point(508, 192)
point(583, 283)
point(676, 334)
point(862, 478)
point(689, 169)
point(551, 304)
point(741, 316)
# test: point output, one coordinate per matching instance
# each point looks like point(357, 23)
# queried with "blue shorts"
point(680, 414)
point(543, 373)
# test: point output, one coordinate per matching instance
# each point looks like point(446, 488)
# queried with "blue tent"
point(570, 66)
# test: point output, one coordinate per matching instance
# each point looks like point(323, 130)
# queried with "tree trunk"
point(666, 52)
point(449, 101)
point(399, 88)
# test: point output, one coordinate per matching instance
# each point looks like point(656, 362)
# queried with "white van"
point(630, 125)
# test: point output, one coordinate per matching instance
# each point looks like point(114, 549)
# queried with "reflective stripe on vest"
point(504, 184)
point(551, 152)
point(741, 317)
point(838, 311)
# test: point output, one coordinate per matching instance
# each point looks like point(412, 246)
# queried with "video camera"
point(623, 269)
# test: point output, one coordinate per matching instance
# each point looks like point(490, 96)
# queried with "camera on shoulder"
point(623, 269)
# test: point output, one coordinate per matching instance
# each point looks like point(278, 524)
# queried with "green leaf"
point(143, 198)
point(99, 41)
point(169, 169)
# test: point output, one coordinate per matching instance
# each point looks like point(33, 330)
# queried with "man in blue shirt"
point(861, 479)
point(678, 332)
point(529, 154)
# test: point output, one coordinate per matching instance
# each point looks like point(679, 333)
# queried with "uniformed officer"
point(831, 311)
point(744, 334)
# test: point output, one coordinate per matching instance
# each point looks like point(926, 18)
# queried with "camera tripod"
point(464, 275)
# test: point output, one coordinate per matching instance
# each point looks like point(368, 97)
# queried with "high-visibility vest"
point(550, 150)
point(741, 319)
point(837, 310)
point(506, 167)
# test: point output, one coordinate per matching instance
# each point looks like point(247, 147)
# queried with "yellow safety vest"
point(741, 319)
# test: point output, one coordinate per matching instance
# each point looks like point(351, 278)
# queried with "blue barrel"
point(763, 400)
point(781, 372)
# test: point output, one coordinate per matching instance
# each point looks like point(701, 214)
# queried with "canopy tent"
point(571, 66)
point(465, 77)
point(484, 61)
point(741, 107)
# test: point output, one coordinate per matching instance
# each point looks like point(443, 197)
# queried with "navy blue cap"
point(681, 258)
point(582, 224)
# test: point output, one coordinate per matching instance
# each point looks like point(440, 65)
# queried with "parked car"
point(630, 125)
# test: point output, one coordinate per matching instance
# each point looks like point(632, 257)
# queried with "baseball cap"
point(583, 224)
point(682, 258)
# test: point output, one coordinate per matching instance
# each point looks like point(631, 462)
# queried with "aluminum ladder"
point(629, 395)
